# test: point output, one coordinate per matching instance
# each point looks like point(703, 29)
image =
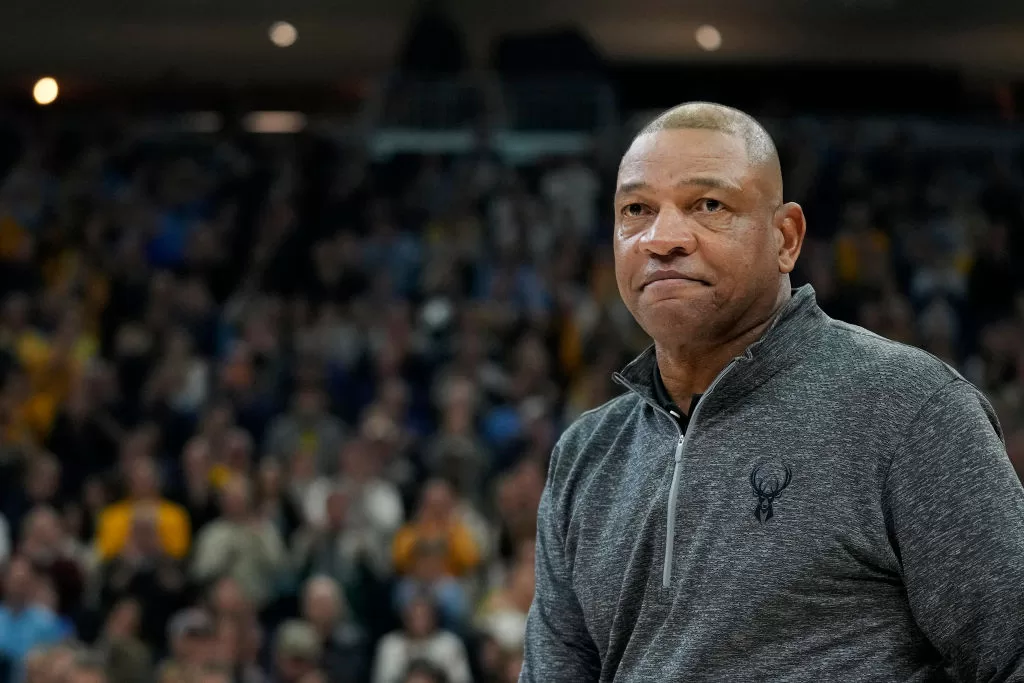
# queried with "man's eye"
point(633, 210)
point(710, 205)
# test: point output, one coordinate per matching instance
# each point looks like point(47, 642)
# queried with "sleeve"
point(464, 554)
point(178, 536)
point(558, 646)
point(111, 533)
point(211, 554)
point(457, 663)
point(403, 547)
point(271, 548)
point(955, 509)
point(389, 661)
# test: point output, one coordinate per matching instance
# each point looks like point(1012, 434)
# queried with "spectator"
point(373, 508)
point(436, 524)
point(456, 453)
point(23, 624)
point(45, 543)
point(191, 637)
point(227, 600)
point(144, 570)
point(308, 426)
point(242, 544)
point(429, 576)
point(41, 487)
point(116, 521)
point(84, 435)
point(274, 502)
point(197, 491)
point(297, 651)
point(127, 656)
point(343, 643)
point(420, 639)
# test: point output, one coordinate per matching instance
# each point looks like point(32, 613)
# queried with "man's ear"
point(791, 226)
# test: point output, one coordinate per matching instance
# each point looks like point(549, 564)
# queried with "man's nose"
point(672, 233)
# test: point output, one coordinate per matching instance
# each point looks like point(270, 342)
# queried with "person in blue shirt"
point(24, 625)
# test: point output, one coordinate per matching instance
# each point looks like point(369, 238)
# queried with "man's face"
point(19, 581)
point(194, 647)
point(692, 208)
point(320, 608)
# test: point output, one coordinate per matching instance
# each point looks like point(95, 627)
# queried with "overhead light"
point(283, 34)
point(274, 121)
point(45, 90)
point(708, 37)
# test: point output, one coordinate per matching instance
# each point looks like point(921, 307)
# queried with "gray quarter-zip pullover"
point(841, 508)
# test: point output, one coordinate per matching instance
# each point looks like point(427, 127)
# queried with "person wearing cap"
point(190, 633)
point(297, 651)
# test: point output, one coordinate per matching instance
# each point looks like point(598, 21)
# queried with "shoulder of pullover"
point(899, 378)
point(593, 428)
point(901, 370)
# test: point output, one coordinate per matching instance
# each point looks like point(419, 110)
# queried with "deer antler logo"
point(767, 488)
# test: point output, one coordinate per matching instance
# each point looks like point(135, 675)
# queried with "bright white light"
point(709, 38)
point(45, 90)
point(283, 34)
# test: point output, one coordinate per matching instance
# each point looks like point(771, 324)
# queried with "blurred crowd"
point(273, 411)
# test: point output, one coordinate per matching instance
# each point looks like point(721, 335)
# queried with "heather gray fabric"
point(895, 549)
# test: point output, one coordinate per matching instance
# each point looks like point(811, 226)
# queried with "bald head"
point(703, 243)
point(722, 119)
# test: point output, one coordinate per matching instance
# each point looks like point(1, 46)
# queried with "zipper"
point(677, 468)
point(670, 523)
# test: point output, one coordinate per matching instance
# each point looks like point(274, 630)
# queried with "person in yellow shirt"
point(437, 525)
point(52, 365)
point(115, 521)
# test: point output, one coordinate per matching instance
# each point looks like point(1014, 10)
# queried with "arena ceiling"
point(108, 41)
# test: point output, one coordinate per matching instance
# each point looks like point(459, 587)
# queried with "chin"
point(672, 318)
point(689, 311)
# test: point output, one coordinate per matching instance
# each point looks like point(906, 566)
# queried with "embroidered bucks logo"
point(767, 485)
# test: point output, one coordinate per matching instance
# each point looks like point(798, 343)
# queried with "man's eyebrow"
point(704, 181)
point(635, 186)
point(710, 181)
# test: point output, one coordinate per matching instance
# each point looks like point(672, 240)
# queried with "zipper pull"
point(679, 448)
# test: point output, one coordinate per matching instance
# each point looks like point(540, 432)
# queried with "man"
point(115, 522)
point(778, 496)
point(297, 651)
point(242, 544)
point(345, 656)
point(23, 624)
point(190, 634)
point(309, 426)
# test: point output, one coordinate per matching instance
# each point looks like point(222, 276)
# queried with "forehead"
point(668, 156)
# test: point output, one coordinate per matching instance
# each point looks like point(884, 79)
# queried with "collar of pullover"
point(794, 328)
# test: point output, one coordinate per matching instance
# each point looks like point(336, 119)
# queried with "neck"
point(688, 369)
